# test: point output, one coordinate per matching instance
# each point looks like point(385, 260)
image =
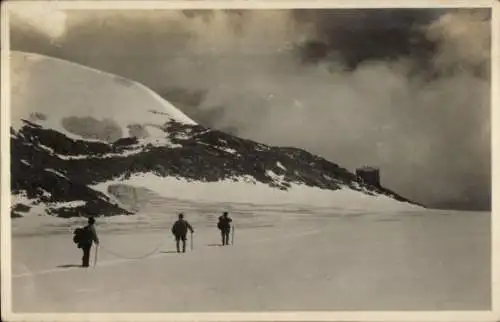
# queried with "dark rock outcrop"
point(51, 167)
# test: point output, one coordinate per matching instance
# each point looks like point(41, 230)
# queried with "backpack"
point(224, 223)
point(80, 235)
point(180, 227)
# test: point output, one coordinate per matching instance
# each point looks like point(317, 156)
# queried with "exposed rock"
point(45, 160)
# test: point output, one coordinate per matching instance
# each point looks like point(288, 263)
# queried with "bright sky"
point(44, 16)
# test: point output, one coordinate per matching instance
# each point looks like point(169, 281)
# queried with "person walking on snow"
point(224, 226)
point(179, 230)
point(89, 237)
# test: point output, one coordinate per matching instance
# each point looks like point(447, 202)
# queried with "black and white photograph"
point(254, 157)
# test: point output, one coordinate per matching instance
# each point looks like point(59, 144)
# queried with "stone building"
point(369, 175)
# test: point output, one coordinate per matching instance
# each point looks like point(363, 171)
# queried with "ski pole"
point(96, 251)
point(191, 240)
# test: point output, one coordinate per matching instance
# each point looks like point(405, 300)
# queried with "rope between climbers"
point(140, 257)
point(125, 257)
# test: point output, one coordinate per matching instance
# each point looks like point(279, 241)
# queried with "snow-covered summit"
point(84, 103)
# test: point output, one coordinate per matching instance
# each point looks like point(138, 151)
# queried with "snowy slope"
point(79, 134)
point(50, 92)
point(249, 192)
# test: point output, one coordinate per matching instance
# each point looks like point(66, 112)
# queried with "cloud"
point(45, 17)
point(463, 38)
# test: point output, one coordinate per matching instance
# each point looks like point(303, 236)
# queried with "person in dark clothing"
point(90, 236)
point(224, 226)
point(179, 230)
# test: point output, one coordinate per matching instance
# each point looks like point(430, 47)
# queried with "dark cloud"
point(360, 35)
point(406, 90)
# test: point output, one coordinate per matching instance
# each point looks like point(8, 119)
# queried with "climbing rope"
point(155, 250)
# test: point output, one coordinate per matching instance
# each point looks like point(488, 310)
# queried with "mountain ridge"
point(52, 164)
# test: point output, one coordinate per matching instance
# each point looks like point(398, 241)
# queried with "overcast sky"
point(404, 90)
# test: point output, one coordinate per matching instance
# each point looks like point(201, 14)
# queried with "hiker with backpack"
point(84, 237)
point(179, 230)
point(224, 226)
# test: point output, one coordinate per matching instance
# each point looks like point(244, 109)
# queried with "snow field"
point(315, 261)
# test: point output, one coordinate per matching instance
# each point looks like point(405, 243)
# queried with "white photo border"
point(436, 316)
